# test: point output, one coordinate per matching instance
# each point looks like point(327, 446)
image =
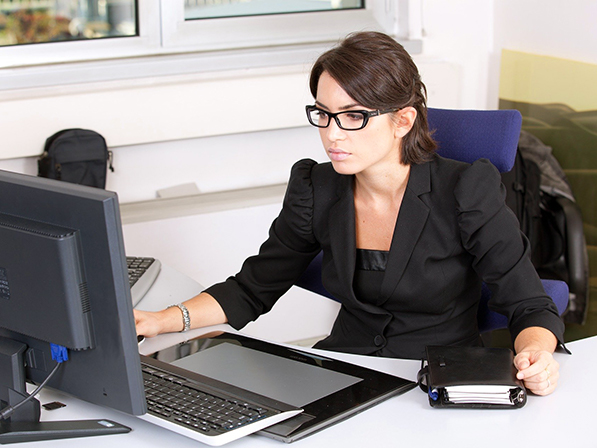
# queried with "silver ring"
point(548, 373)
point(548, 383)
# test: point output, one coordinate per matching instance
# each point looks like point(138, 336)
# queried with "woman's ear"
point(404, 119)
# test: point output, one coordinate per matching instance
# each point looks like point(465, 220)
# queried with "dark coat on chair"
point(453, 232)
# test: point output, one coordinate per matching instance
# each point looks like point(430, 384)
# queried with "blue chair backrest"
point(468, 135)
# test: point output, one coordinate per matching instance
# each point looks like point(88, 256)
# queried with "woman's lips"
point(337, 155)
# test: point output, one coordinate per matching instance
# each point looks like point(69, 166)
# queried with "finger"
point(537, 366)
point(541, 382)
point(521, 361)
point(552, 368)
point(542, 388)
point(542, 377)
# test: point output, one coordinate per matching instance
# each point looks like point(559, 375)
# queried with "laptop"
point(205, 409)
point(302, 392)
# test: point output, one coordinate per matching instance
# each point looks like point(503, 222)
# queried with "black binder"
point(472, 377)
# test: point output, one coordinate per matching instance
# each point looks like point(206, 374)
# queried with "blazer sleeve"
point(491, 233)
point(282, 258)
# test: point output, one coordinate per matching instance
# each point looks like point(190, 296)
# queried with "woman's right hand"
point(149, 324)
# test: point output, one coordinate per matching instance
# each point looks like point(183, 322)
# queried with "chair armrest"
point(577, 259)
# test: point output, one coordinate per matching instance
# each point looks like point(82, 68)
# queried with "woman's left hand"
point(539, 371)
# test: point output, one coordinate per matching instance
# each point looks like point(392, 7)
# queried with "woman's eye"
point(355, 117)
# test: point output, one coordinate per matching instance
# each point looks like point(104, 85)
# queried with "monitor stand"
point(23, 425)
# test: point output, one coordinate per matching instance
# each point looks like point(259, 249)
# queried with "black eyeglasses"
point(351, 120)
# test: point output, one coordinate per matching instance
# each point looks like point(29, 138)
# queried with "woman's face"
point(375, 146)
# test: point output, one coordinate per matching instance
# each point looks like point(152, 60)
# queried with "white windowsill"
point(137, 68)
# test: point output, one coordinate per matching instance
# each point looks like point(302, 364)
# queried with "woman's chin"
point(343, 167)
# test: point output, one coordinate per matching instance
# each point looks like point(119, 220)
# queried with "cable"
point(60, 355)
point(8, 411)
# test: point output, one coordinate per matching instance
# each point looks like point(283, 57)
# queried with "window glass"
point(210, 9)
point(37, 21)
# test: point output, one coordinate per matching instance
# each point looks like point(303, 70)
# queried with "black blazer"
point(453, 232)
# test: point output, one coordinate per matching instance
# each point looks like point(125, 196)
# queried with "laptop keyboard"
point(170, 397)
point(178, 401)
point(142, 272)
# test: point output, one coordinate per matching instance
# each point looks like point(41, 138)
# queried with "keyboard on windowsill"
point(142, 273)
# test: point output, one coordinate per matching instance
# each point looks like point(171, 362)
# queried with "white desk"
point(562, 419)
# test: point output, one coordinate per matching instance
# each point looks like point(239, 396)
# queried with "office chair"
point(467, 135)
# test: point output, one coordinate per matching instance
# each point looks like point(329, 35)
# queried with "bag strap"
point(423, 378)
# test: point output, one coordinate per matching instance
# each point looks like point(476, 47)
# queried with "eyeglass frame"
point(366, 115)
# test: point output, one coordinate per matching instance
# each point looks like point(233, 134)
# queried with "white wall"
point(169, 130)
point(458, 33)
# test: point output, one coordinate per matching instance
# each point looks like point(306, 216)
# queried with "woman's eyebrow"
point(348, 106)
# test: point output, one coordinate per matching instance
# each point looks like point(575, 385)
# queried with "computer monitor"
point(64, 283)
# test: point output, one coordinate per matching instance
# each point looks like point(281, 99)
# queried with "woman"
point(407, 236)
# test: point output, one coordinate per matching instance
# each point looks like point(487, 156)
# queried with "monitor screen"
point(64, 281)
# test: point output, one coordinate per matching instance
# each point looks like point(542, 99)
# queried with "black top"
point(368, 275)
point(453, 232)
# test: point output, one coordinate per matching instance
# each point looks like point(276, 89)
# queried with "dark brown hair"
point(378, 73)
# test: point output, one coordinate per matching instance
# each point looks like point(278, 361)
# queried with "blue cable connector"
point(59, 353)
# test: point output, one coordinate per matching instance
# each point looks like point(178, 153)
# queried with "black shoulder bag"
point(79, 156)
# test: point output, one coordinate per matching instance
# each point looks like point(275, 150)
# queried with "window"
point(271, 34)
point(42, 21)
point(212, 9)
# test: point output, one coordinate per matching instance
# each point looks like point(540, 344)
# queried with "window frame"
point(273, 30)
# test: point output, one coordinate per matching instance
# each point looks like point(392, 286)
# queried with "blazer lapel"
point(411, 220)
point(343, 234)
point(343, 245)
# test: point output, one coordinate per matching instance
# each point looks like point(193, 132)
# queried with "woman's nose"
point(333, 131)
